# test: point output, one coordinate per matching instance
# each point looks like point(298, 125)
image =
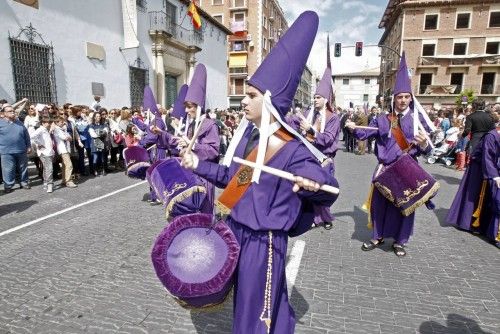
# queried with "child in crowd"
point(45, 150)
point(131, 136)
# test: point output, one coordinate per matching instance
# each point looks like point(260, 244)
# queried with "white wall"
point(68, 25)
point(354, 91)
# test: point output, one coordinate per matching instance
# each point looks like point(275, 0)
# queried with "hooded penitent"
point(278, 78)
point(197, 90)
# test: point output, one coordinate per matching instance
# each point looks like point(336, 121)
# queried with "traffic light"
point(359, 49)
point(338, 49)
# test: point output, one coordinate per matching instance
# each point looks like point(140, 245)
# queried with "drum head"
point(194, 261)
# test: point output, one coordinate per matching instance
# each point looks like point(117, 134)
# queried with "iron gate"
point(33, 67)
point(138, 80)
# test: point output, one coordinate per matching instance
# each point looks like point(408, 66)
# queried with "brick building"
point(450, 45)
point(257, 26)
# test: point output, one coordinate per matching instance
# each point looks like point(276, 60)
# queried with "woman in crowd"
point(98, 132)
point(82, 127)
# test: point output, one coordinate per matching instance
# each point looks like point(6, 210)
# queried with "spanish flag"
point(195, 17)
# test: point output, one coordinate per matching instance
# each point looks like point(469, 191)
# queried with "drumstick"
point(365, 127)
point(151, 147)
point(195, 135)
point(282, 174)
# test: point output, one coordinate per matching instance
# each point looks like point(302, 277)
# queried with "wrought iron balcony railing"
point(159, 20)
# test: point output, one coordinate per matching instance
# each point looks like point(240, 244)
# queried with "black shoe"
point(27, 187)
point(7, 190)
point(372, 245)
point(327, 225)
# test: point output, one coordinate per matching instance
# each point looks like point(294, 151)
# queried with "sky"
point(348, 21)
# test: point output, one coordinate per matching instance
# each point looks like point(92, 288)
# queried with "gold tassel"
point(367, 206)
point(477, 213)
point(182, 196)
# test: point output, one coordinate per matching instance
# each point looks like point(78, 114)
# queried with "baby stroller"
point(445, 153)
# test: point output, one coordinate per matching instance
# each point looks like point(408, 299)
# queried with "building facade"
point(451, 46)
point(256, 26)
point(357, 88)
point(107, 48)
point(303, 96)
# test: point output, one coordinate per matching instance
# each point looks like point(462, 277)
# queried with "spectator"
point(15, 144)
point(98, 131)
point(117, 140)
point(45, 150)
point(97, 103)
point(477, 124)
point(131, 136)
point(63, 145)
point(82, 127)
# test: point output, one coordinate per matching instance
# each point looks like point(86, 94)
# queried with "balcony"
point(238, 71)
point(425, 62)
point(493, 61)
point(239, 46)
point(459, 62)
point(445, 90)
point(160, 21)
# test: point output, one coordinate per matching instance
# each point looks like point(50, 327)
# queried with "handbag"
point(118, 138)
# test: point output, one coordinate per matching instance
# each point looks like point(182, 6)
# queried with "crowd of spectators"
point(74, 141)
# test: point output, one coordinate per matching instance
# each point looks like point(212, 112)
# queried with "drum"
point(150, 169)
point(195, 260)
point(180, 190)
point(136, 162)
point(406, 184)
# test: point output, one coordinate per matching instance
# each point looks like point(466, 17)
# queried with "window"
point(365, 97)
point(238, 46)
point(239, 87)
point(458, 80)
point(217, 2)
point(425, 80)
point(265, 3)
point(492, 48)
point(138, 80)
point(488, 83)
point(264, 43)
point(239, 17)
point(460, 49)
point(428, 49)
point(219, 18)
point(345, 81)
point(141, 5)
point(239, 3)
point(264, 21)
point(367, 81)
point(494, 20)
point(431, 22)
point(463, 21)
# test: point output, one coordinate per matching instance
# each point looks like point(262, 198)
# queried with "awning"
point(238, 60)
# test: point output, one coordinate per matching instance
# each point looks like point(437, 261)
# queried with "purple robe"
point(387, 220)
point(327, 143)
point(484, 165)
point(155, 154)
point(268, 205)
point(206, 148)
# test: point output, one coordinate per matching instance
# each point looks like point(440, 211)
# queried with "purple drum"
point(405, 184)
point(179, 189)
point(150, 169)
point(136, 162)
point(195, 260)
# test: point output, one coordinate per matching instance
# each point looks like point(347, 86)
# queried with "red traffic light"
point(359, 49)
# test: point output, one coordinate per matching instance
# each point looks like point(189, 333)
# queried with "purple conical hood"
point(281, 70)
point(149, 101)
point(179, 108)
point(198, 86)
point(324, 88)
point(403, 83)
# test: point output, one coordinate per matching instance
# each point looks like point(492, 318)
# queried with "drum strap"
point(240, 182)
point(398, 134)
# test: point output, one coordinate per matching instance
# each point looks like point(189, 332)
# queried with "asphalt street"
point(88, 270)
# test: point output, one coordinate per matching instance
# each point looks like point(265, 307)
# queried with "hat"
point(149, 102)
point(324, 88)
point(179, 109)
point(403, 83)
point(281, 70)
point(198, 86)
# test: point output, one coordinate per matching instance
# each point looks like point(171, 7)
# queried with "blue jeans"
point(11, 163)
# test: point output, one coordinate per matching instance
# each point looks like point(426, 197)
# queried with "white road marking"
point(292, 267)
point(68, 209)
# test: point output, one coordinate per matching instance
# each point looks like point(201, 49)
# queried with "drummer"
point(207, 143)
point(321, 126)
point(385, 218)
point(266, 210)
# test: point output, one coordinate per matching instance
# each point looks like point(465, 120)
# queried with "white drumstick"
point(365, 127)
point(151, 147)
point(280, 173)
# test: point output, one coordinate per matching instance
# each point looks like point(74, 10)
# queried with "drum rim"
point(193, 290)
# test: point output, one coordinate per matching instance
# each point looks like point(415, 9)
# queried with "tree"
point(467, 93)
